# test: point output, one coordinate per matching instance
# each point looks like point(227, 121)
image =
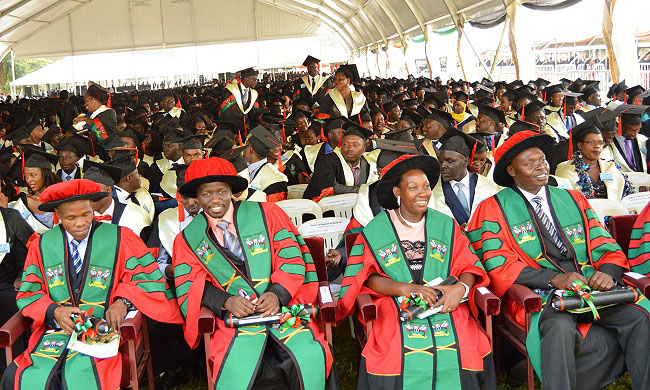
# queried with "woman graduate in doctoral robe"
point(399, 251)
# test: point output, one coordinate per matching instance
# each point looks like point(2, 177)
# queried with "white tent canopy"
point(67, 27)
point(192, 61)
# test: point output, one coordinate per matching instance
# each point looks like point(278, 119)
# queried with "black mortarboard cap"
point(412, 116)
point(457, 141)
point(69, 144)
point(50, 133)
point(113, 142)
point(310, 60)
point(123, 159)
point(494, 113)
point(517, 126)
point(534, 106)
point(220, 140)
point(101, 173)
point(37, 158)
point(134, 134)
point(350, 71)
point(460, 95)
point(552, 90)
point(481, 146)
point(389, 105)
point(589, 90)
point(351, 128)
point(633, 93)
point(615, 89)
point(631, 114)
point(541, 82)
point(263, 140)
point(96, 88)
point(444, 118)
point(247, 72)
point(174, 136)
point(193, 142)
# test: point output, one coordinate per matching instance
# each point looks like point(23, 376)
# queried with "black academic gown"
point(66, 113)
point(302, 92)
point(329, 173)
point(293, 168)
point(451, 199)
point(319, 157)
point(637, 154)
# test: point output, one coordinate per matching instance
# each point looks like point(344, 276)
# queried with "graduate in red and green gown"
point(400, 250)
point(241, 258)
point(638, 252)
point(81, 265)
point(547, 238)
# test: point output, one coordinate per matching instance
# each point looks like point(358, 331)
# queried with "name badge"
point(606, 177)
point(5, 248)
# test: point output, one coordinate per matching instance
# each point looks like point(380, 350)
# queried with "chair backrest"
point(296, 191)
point(331, 229)
point(341, 205)
point(620, 227)
point(638, 179)
point(296, 208)
point(636, 202)
point(316, 247)
point(607, 208)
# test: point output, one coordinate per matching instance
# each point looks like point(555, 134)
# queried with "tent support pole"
point(496, 53)
point(13, 73)
point(607, 36)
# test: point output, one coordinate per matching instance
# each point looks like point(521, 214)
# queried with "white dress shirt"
point(81, 248)
point(109, 210)
point(71, 174)
point(122, 195)
point(254, 167)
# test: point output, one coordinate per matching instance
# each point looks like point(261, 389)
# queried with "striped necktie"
point(230, 241)
point(548, 224)
point(76, 258)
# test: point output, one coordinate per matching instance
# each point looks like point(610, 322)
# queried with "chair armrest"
point(130, 328)
point(207, 322)
point(367, 308)
point(13, 329)
point(639, 281)
point(489, 303)
point(525, 297)
point(326, 303)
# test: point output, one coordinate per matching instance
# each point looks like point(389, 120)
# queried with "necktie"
point(568, 123)
point(312, 83)
point(630, 154)
point(230, 241)
point(548, 224)
point(356, 172)
point(247, 98)
point(460, 187)
point(68, 177)
point(76, 258)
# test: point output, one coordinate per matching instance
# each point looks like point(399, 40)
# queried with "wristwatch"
point(129, 305)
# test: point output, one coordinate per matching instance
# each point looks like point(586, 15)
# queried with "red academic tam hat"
point(514, 145)
point(210, 170)
point(70, 191)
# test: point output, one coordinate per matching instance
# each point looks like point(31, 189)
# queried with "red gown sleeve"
point(33, 298)
point(141, 281)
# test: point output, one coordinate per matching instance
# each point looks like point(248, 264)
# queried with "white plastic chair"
point(638, 179)
point(636, 202)
point(330, 228)
point(607, 208)
point(296, 208)
point(296, 191)
point(341, 205)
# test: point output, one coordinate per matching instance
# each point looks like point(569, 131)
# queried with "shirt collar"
point(357, 165)
point(464, 180)
point(256, 165)
point(109, 210)
point(122, 194)
point(529, 196)
point(70, 238)
point(74, 172)
point(229, 217)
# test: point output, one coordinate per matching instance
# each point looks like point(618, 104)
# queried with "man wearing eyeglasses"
point(169, 107)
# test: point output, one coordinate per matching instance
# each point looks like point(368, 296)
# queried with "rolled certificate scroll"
point(299, 313)
point(598, 298)
point(414, 310)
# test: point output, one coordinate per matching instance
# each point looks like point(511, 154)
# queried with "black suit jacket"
point(451, 199)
